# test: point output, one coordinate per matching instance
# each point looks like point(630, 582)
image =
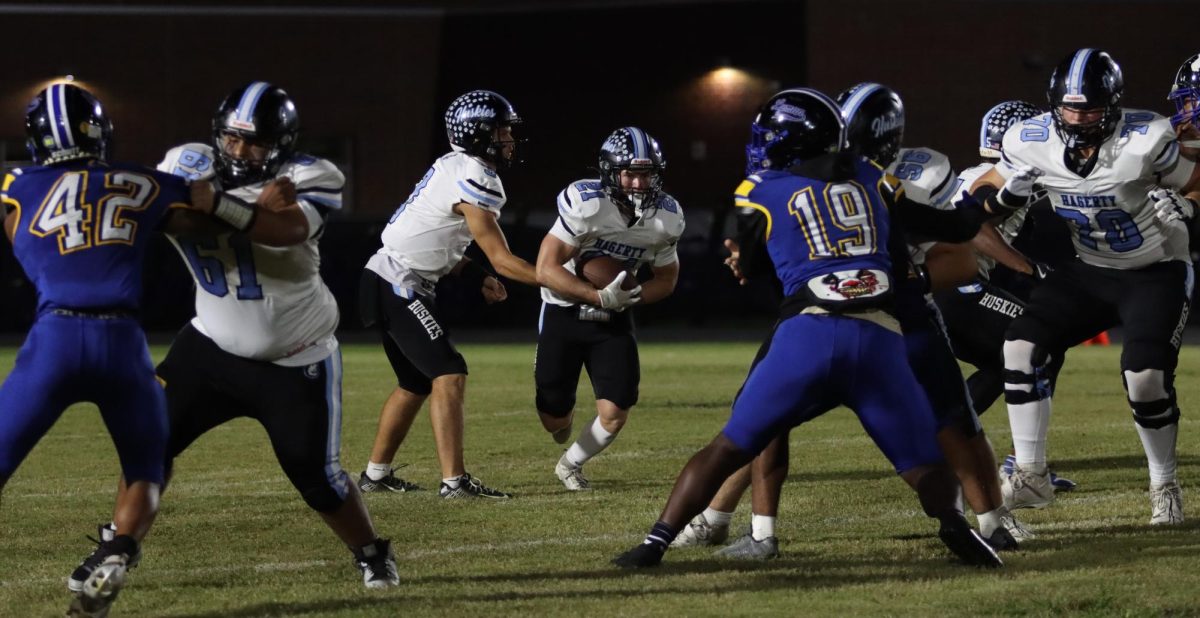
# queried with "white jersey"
point(425, 238)
point(259, 302)
point(927, 179)
point(589, 220)
point(1111, 218)
point(1008, 228)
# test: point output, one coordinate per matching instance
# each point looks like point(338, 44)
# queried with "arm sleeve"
point(753, 258)
point(957, 225)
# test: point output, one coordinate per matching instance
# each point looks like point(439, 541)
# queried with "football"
point(601, 270)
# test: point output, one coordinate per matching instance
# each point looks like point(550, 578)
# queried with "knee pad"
point(1027, 377)
point(555, 404)
point(1151, 400)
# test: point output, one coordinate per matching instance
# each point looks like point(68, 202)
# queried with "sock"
point(989, 521)
point(592, 440)
point(761, 527)
point(717, 518)
point(453, 482)
point(1030, 423)
point(1160, 451)
point(376, 471)
point(660, 536)
point(122, 544)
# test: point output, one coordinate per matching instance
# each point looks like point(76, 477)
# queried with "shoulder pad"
point(926, 175)
point(193, 161)
point(311, 172)
point(668, 203)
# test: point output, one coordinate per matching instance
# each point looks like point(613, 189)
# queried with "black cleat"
point(1002, 540)
point(391, 482)
point(962, 539)
point(644, 555)
point(103, 550)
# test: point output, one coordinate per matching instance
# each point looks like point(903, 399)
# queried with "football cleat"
point(1016, 529)
point(1059, 483)
point(1002, 540)
point(470, 487)
point(1026, 490)
point(391, 482)
point(746, 547)
point(700, 533)
point(961, 538)
point(100, 588)
point(644, 555)
point(378, 564)
point(1166, 504)
point(571, 476)
point(103, 550)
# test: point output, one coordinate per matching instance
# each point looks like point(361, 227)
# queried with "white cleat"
point(700, 533)
point(1017, 529)
point(1026, 490)
point(100, 589)
point(571, 475)
point(1166, 504)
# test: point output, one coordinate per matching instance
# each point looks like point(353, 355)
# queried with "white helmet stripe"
point(65, 118)
point(640, 147)
point(254, 92)
point(850, 107)
point(52, 114)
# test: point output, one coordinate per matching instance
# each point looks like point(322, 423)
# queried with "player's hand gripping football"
point(735, 252)
point(1170, 206)
point(613, 297)
point(1021, 183)
point(277, 195)
point(493, 291)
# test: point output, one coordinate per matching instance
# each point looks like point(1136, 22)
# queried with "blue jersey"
point(82, 229)
point(826, 239)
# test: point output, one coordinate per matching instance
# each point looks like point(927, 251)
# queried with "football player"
point(824, 225)
point(875, 122)
point(79, 226)
point(457, 201)
point(1100, 165)
point(624, 215)
point(977, 314)
point(262, 342)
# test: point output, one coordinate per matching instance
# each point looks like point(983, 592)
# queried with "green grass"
point(233, 539)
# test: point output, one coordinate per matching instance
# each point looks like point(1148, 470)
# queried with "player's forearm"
point(563, 283)
point(950, 268)
point(515, 268)
point(279, 228)
point(657, 289)
point(989, 242)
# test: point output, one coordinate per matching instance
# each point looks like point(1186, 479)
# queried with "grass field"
point(233, 539)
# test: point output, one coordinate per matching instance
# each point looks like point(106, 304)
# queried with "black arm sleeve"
point(753, 258)
point(958, 225)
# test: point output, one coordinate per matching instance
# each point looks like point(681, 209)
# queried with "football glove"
point(1170, 206)
point(1021, 183)
point(616, 299)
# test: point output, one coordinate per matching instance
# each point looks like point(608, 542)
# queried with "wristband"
point(234, 211)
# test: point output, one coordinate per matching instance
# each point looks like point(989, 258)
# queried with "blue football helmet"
point(794, 125)
point(630, 148)
point(874, 116)
point(1086, 79)
point(997, 121)
point(472, 121)
point(259, 113)
point(65, 122)
point(1185, 93)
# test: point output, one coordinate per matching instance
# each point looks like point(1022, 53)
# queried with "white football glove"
point(1021, 183)
point(614, 298)
point(1171, 206)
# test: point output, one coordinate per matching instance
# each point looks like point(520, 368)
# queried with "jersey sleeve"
point(11, 203)
point(191, 161)
point(1163, 158)
point(319, 185)
point(667, 252)
point(576, 205)
point(1019, 145)
point(479, 186)
point(927, 177)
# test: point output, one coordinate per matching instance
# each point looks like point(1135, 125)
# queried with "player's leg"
point(558, 360)
point(1063, 311)
point(711, 527)
point(301, 410)
point(395, 420)
point(976, 317)
point(783, 382)
point(1154, 308)
point(889, 402)
point(768, 472)
point(615, 371)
